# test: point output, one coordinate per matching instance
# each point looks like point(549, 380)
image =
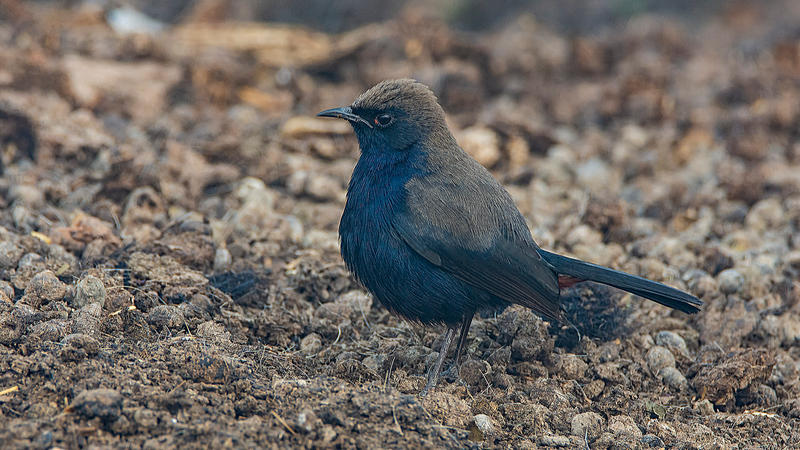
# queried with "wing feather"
point(476, 233)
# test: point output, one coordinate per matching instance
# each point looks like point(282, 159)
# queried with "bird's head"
point(393, 115)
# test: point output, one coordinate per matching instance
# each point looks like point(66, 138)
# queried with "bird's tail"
point(661, 293)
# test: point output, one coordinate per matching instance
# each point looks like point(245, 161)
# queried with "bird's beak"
point(345, 112)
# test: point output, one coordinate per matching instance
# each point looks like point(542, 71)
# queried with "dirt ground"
point(169, 267)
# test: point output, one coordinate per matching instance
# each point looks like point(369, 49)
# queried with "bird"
point(436, 238)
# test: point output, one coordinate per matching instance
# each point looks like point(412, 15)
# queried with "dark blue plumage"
point(401, 279)
point(434, 236)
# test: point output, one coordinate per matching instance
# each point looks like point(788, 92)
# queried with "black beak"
point(345, 112)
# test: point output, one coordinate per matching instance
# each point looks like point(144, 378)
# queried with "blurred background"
point(475, 15)
point(618, 88)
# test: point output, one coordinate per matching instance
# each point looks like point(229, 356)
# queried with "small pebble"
point(703, 286)
point(704, 407)
point(624, 425)
point(672, 341)
point(296, 182)
point(526, 348)
point(296, 231)
point(359, 302)
point(10, 254)
point(166, 316)
point(484, 424)
point(324, 187)
point(14, 325)
point(28, 195)
point(103, 403)
point(145, 418)
point(767, 395)
point(554, 441)
point(328, 434)
point(767, 264)
point(482, 144)
point(89, 290)
point(254, 193)
point(373, 362)
point(730, 281)
point(345, 355)
point(572, 367)
point(594, 174)
point(45, 287)
point(30, 260)
point(49, 331)
point(659, 357)
point(214, 332)
point(321, 240)
point(7, 289)
point(786, 371)
point(87, 319)
point(583, 234)
point(222, 259)
point(594, 388)
point(766, 214)
point(334, 313)
point(475, 372)
point(673, 378)
point(301, 126)
point(588, 424)
point(608, 351)
point(414, 355)
point(790, 330)
point(311, 344)
point(307, 420)
point(78, 346)
point(792, 259)
point(652, 441)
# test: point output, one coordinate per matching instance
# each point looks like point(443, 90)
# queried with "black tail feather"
point(661, 293)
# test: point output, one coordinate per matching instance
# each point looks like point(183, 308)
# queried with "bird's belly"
point(403, 281)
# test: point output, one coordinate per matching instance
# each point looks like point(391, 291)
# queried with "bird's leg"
point(462, 340)
point(433, 375)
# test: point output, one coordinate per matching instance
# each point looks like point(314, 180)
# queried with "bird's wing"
point(474, 231)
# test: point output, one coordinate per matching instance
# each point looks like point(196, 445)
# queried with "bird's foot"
point(452, 372)
point(433, 375)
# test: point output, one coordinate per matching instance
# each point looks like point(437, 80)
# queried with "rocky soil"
point(169, 268)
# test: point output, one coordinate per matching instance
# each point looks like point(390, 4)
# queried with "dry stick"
point(394, 416)
point(364, 316)
point(9, 390)
point(388, 373)
point(283, 422)
point(176, 387)
point(338, 335)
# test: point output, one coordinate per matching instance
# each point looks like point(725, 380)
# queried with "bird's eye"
point(383, 120)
